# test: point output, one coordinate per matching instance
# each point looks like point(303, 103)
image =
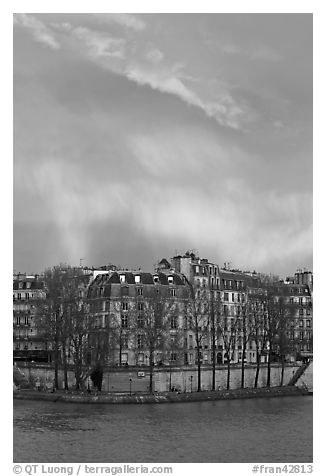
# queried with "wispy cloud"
point(124, 19)
point(122, 58)
point(154, 56)
point(260, 53)
point(99, 44)
point(39, 30)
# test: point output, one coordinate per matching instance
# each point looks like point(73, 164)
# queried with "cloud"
point(124, 19)
point(99, 44)
point(124, 58)
point(40, 32)
point(224, 110)
point(155, 56)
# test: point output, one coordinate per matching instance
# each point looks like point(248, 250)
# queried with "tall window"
point(174, 322)
point(140, 306)
point(125, 306)
point(140, 321)
point(140, 291)
point(124, 321)
point(124, 341)
point(140, 340)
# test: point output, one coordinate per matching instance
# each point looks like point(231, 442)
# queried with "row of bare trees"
point(66, 321)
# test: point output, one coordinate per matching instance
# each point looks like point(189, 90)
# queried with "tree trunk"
point(282, 372)
point(257, 370)
point(151, 367)
point(228, 375)
point(214, 362)
point(198, 370)
point(243, 365)
point(56, 363)
point(64, 363)
point(170, 379)
point(268, 383)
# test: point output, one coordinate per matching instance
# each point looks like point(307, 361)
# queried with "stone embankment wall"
point(183, 379)
point(306, 379)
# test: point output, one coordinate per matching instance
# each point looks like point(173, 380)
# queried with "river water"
point(231, 431)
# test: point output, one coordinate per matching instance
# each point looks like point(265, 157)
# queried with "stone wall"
point(306, 379)
point(184, 379)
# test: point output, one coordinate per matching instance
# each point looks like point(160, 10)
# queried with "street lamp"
point(191, 377)
point(130, 380)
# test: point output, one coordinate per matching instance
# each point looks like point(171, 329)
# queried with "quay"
point(166, 397)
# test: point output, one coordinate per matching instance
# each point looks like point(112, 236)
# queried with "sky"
point(142, 136)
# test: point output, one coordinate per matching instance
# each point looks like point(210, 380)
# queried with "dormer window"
point(137, 278)
point(155, 278)
point(28, 284)
point(170, 279)
point(122, 278)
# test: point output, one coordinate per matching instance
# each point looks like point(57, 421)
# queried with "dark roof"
point(33, 284)
point(164, 263)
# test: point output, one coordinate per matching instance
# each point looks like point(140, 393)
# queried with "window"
point(291, 300)
point(300, 301)
point(226, 296)
point(174, 322)
point(140, 340)
point(122, 278)
point(232, 297)
point(301, 323)
point(197, 269)
point(19, 296)
point(225, 308)
point(137, 278)
point(301, 335)
point(170, 279)
point(140, 306)
point(140, 291)
point(172, 292)
point(308, 323)
point(125, 306)
point(124, 321)
point(140, 322)
point(308, 312)
point(301, 312)
point(155, 278)
point(173, 357)
point(124, 341)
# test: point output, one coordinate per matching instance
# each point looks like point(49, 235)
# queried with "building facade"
point(28, 293)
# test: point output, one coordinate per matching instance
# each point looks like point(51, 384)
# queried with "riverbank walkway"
point(167, 397)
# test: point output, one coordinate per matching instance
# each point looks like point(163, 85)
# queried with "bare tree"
point(257, 328)
point(155, 335)
point(214, 316)
point(230, 334)
point(197, 320)
point(50, 318)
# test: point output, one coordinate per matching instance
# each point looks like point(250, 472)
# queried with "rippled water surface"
point(237, 431)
